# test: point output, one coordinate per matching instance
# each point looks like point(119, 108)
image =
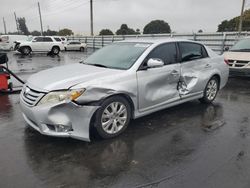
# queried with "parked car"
point(40, 44)
point(238, 58)
point(75, 45)
point(120, 82)
point(7, 42)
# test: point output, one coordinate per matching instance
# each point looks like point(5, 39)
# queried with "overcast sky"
point(182, 15)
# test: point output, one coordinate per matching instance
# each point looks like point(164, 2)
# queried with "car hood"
point(64, 77)
point(240, 56)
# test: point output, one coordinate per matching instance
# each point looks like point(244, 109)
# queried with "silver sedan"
point(120, 82)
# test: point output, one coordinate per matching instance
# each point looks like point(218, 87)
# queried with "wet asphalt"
point(187, 146)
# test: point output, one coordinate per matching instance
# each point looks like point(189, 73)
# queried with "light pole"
point(241, 15)
point(16, 22)
point(4, 25)
point(40, 18)
point(91, 18)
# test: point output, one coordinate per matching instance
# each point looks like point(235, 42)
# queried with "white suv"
point(40, 44)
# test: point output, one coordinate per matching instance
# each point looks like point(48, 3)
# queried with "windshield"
point(118, 55)
point(242, 45)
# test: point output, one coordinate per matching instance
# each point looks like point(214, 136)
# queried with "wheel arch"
point(126, 97)
point(218, 78)
point(92, 128)
point(26, 46)
point(123, 95)
point(56, 46)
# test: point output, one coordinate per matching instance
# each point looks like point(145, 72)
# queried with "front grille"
point(235, 63)
point(30, 96)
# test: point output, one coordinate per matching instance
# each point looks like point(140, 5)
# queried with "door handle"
point(208, 66)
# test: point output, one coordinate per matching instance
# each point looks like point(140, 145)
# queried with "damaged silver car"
point(120, 82)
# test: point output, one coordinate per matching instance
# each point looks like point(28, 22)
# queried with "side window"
point(47, 39)
point(192, 51)
point(166, 52)
point(38, 39)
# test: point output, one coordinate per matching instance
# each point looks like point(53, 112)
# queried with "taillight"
point(226, 61)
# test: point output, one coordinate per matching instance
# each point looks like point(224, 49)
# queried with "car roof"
point(158, 41)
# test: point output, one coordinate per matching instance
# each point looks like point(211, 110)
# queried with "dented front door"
point(158, 86)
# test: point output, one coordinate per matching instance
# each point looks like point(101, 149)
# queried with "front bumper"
point(240, 72)
point(45, 119)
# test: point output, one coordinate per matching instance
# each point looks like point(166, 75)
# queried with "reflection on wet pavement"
point(190, 145)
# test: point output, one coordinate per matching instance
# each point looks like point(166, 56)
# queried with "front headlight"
point(59, 96)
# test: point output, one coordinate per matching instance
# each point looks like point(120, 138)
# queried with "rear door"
point(47, 44)
point(195, 68)
point(158, 86)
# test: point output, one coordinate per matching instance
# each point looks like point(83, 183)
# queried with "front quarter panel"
point(123, 84)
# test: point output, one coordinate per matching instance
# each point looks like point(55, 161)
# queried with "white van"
point(7, 42)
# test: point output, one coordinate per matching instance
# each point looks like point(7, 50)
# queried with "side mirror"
point(226, 48)
point(3, 58)
point(155, 63)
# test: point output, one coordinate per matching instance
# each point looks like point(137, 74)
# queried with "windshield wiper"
point(241, 50)
point(95, 64)
point(99, 65)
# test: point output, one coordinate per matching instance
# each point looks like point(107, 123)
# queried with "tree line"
point(233, 24)
point(154, 27)
point(21, 23)
point(160, 26)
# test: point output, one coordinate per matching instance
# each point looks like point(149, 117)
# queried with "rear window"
point(192, 51)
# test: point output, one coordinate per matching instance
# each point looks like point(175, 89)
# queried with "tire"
point(55, 50)
point(210, 91)
point(82, 49)
point(113, 117)
point(26, 50)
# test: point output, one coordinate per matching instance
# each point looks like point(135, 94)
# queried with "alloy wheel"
point(114, 117)
point(212, 89)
